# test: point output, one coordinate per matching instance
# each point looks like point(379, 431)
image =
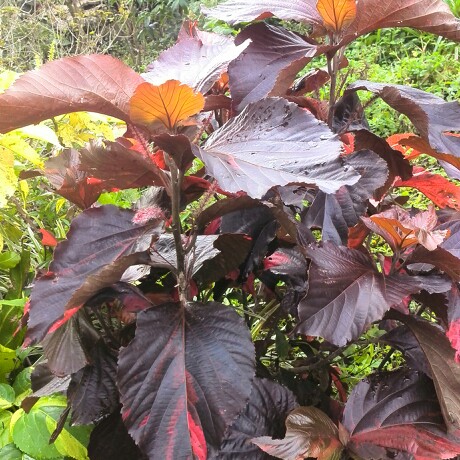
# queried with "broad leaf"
point(444, 370)
point(68, 85)
point(197, 61)
point(233, 11)
point(31, 432)
point(397, 411)
point(430, 114)
point(110, 440)
point(437, 188)
point(166, 104)
point(92, 393)
point(309, 433)
point(102, 243)
point(346, 293)
point(274, 142)
point(432, 16)
point(269, 64)
point(337, 15)
point(189, 383)
point(265, 414)
point(336, 213)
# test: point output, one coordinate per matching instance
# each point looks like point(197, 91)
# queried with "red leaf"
point(453, 334)
point(437, 188)
point(47, 238)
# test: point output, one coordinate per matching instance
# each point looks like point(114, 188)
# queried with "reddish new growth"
point(453, 334)
point(144, 215)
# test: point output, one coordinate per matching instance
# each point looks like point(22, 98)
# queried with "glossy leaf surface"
point(264, 146)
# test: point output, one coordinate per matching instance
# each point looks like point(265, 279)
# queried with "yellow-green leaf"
point(8, 179)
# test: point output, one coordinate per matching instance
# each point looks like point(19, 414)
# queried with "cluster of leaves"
point(253, 235)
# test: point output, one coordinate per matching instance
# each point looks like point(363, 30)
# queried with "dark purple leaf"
point(398, 166)
point(397, 411)
point(441, 360)
point(309, 433)
point(403, 340)
point(269, 64)
point(440, 258)
point(264, 415)
point(102, 243)
point(346, 293)
point(310, 82)
point(178, 146)
point(92, 393)
point(70, 181)
point(430, 114)
point(233, 11)
point(349, 115)
point(189, 383)
point(274, 142)
point(288, 264)
point(453, 315)
point(336, 213)
point(94, 83)
point(197, 61)
point(110, 440)
point(68, 348)
point(259, 224)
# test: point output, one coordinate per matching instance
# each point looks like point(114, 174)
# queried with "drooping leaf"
point(437, 188)
point(337, 15)
point(433, 16)
point(260, 224)
point(68, 85)
point(309, 433)
point(397, 164)
point(336, 213)
point(265, 414)
point(430, 114)
point(92, 393)
point(190, 382)
point(166, 104)
point(233, 11)
point(274, 142)
point(68, 348)
point(178, 146)
point(348, 115)
point(269, 65)
point(441, 360)
point(197, 60)
point(346, 293)
point(397, 411)
point(110, 439)
point(102, 243)
point(289, 265)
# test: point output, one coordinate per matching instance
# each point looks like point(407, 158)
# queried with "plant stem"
point(176, 182)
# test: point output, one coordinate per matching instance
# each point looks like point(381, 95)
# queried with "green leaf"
point(7, 396)
point(31, 432)
point(9, 259)
point(22, 385)
point(9, 179)
point(8, 362)
point(11, 452)
point(9, 321)
point(5, 435)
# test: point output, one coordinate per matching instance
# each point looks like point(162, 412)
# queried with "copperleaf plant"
point(252, 240)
